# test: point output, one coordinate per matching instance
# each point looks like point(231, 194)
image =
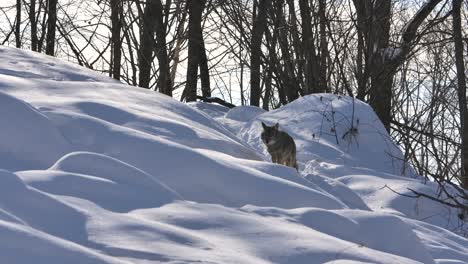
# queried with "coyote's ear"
point(277, 126)
point(265, 127)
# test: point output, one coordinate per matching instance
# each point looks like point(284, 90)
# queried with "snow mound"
point(339, 190)
point(25, 135)
point(398, 235)
point(31, 65)
point(27, 206)
point(252, 230)
point(244, 113)
point(214, 171)
point(104, 166)
point(24, 245)
point(359, 227)
point(212, 110)
point(332, 131)
point(107, 182)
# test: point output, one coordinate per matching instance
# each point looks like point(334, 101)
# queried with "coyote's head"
point(269, 134)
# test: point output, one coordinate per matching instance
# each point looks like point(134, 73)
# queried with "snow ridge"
point(94, 171)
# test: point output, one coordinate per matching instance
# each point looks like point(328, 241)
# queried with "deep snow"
point(94, 171)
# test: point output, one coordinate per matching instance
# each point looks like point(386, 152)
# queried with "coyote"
point(280, 145)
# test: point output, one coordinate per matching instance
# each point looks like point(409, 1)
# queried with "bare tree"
point(51, 26)
point(461, 81)
point(145, 55)
point(164, 80)
point(312, 67)
point(398, 56)
point(18, 24)
point(323, 45)
point(384, 59)
point(258, 29)
point(196, 50)
point(33, 22)
point(116, 41)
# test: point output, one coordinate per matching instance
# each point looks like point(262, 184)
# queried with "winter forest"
point(405, 58)
point(240, 62)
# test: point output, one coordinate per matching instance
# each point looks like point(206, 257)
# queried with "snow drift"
point(95, 171)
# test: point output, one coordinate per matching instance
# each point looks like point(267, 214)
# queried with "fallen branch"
point(216, 100)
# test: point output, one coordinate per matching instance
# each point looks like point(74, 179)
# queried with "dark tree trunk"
point(259, 27)
point(382, 59)
point(289, 77)
point(271, 42)
point(33, 21)
point(145, 56)
point(18, 24)
point(268, 90)
point(43, 5)
point(204, 70)
point(461, 78)
point(312, 67)
point(381, 75)
point(323, 46)
point(51, 26)
point(195, 8)
point(132, 77)
point(116, 41)
point(381, 90)
point(179, 39)
point(164, 79)
point(363, 9)
point(296, 42)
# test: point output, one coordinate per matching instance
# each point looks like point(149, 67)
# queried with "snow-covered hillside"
point(94, 171)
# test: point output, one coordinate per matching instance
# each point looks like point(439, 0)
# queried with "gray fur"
point(280, 145)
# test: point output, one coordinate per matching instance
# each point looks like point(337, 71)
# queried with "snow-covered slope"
point(95, 171)
point(340, 141)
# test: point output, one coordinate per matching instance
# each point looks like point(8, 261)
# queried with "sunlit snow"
point(95, 171)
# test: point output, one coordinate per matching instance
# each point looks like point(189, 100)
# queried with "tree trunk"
point(51, 25)
point(116, 41)
point(258, 28)
point(381, 75)
point(195, 8)
point(18, 24)
point(296, 42)
point(382, 59)
point(179, 36)
point(289, 77)
point(145, 56)
point(164, 79)
point(381, 90)
point(312, 67)
point(42, 5)
point(33, 22)
point(360, 71)
point(461, 78)
point(271, 42)
point(323, 46)
point(204, 70)
point(268, 90)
